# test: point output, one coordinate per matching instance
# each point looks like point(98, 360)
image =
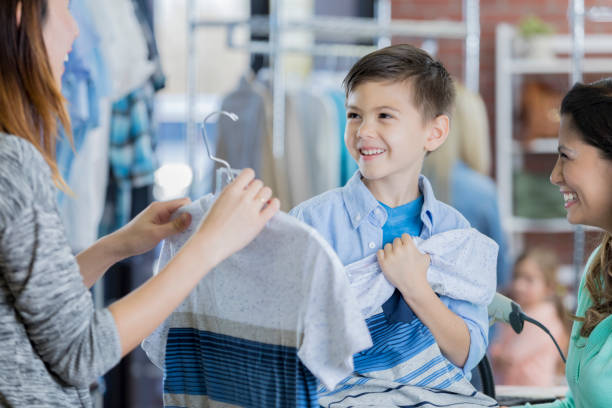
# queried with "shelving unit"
point(510, 153)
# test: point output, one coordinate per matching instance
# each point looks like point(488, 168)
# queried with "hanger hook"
point(233, 117)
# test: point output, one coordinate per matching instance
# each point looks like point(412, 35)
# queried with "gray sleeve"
point(76, 342)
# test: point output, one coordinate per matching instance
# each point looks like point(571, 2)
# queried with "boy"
point(398, 101)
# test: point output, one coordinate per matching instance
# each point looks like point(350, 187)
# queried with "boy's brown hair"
point(432, 85)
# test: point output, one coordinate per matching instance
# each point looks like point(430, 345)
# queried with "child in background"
point(398, 102)
point(530, 358)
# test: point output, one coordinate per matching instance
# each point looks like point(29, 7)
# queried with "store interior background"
point(136, 382)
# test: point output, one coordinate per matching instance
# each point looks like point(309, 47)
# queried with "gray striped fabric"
point(53, 344)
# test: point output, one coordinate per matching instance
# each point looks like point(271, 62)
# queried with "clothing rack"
point(381, 28)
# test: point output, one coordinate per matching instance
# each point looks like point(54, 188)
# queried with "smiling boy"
point(398, 101)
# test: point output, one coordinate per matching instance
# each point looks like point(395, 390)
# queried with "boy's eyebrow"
point(387, 107)
point(376, 108)
point(563, 148)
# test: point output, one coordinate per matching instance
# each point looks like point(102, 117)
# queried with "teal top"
point(589, 360)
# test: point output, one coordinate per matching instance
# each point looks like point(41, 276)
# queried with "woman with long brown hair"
point(583, 173)
point(53, 344)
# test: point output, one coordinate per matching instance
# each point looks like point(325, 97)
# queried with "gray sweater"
point(53, 344)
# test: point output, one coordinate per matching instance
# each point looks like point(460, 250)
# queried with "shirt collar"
point(360, 202)
point(430, 204)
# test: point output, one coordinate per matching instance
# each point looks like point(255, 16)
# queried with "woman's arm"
point(142, 234)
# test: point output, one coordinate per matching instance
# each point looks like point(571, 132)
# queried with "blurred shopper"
point(530, 358)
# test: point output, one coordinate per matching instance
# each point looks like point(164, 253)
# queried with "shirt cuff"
point(478, 347)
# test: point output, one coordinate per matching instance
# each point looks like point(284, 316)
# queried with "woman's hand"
point(404, 266)
point(140, 235)
point(151, 226)
point(239, 214)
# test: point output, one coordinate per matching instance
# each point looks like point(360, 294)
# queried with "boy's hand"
point(406, 268)
point(404, 265)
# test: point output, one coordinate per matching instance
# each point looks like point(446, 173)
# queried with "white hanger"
point(228, 169)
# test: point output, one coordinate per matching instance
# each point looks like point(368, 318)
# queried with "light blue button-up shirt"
point(351, 220)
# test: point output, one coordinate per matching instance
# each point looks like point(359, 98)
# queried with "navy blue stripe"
point(448, 382)
point(393, 344)
point(434, 376)
point(236, 371)
point(413, 374)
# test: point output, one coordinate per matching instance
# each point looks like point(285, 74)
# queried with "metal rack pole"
point(471, 16)
point(278, 75)
point(383, 18)
point(503, 126)
point(191, 94)
point(576, 14)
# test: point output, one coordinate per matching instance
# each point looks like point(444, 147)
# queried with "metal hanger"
point(233, 117)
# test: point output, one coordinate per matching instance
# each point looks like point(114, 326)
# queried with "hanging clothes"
point(131, 155)
point(314, 145)
point(249, 142)
point(348, 166)
point(85, 85)
point(123, 45)
point(242, 143)
point(88, 179)
point(263, 326)
point(109, 61)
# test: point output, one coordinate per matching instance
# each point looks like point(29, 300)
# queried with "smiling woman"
point(584, 168)
point(583, 172)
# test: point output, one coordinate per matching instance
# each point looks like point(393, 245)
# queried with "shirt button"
point(372, 245)
point(358, 217)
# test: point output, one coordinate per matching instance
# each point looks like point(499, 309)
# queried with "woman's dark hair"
point(432, 85)
point(31, 103)
point(589, 106)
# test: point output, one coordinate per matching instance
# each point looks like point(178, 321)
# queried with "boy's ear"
point(438, 131)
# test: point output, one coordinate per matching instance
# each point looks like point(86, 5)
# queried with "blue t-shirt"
point(403, 219)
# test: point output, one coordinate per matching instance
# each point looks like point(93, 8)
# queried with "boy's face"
point(386, 134)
